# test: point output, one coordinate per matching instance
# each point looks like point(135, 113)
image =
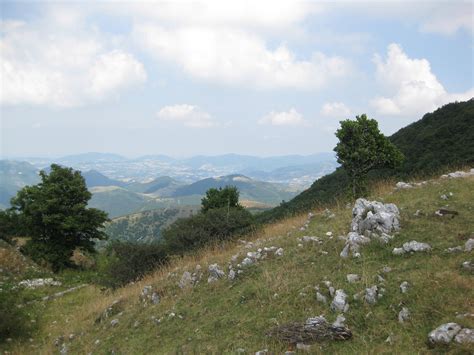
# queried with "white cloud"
point(284, 118)
point(237, 57)
point(335, 109)
point(188, 115)
point(412, 87)
point(62, 69)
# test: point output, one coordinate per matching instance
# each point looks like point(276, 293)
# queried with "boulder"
point(375, 216)
point(404, 286)
point(444, 334)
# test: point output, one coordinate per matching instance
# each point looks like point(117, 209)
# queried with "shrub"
point(124, 262)
point(204, 228)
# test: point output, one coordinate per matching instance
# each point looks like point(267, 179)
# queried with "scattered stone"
point(149, 295)
point(321, 298)
point(231, 275)
point(456, 249)
point(404, 286)
point(444, 197)
point(403, 315)
point(307, 239)
point(279, 252)
point(380, 279)
point(114, 322)
point(110, 311)
point(329, 234)
point(328, 214)
point(352, 278)
point(136, 324)
point(215, 273)
point(339, 302)
point(340, 321)
point(468, 265)
point(465, 336)
point(444, 334)
point(469, 246)
point(371, 294)
point(417, 213)
point(444, 212)
point(34, 283)
point(389, 339)
point(458, 174)
point(403, 185)
point(262, 352)
point(386, 269)
point(411, 247)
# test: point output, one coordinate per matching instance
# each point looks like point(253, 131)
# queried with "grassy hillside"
point(226, 316)
point(440, 139)
point(145, 227)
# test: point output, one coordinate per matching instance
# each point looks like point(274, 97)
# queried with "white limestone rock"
point(444, 334)
point(215, 273)
point(469, 246)
point(352, 278)
point(403, 315)
point(339, 303)
point(403, 185)
point(404, 286)
point(415, 246)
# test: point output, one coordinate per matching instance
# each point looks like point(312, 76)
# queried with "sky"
point(212, 77)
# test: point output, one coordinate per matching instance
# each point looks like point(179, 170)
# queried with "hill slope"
point(442, 138)
point(225, 316)
point(14, 175)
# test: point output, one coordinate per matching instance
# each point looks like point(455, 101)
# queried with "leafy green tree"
point(55, 216)
point(227, 197)
point(362, 148)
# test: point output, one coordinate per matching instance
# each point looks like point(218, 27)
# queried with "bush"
point(204, 228)
point(124, 262)
point(14, 321)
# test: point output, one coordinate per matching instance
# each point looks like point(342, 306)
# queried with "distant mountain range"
point(120, 198)
point(295, 169)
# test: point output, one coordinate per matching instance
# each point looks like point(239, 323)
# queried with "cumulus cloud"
point(188, 115)
point(237, 57)
point(412, 86)
point(335, 109)
point(283, 118)
point(61, 69)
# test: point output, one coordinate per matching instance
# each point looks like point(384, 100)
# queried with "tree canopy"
point(362, 148)
point(55, 216)
point(219, 198)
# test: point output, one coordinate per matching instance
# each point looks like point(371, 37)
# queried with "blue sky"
point(213, 77)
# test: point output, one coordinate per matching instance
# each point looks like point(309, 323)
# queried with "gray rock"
point(403, 185)
point(468, 265)
point(186, 280)
point(457, 249)
point(247, 262)
point(352, 278)
point(415, 246)
point(262, 352)
point(386, 269)
point(404, 286)
point(231, 275)
point(34, 283)
point(339, 302)
point(371, 294)
point(469, 246)
point(375, 217)
point(403, 315)
point(279, 252)
point(307, 239)
point(321, 298)
point(398, 251)
point(114, 322)
point(444, 334)
point(465, 336)
point(340, 321)
point(215, 273)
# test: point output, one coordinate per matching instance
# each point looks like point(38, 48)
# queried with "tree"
point(223, 197)
point(362, 148)
point(55, 216)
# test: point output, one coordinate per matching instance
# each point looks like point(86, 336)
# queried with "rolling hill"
point(14, 175)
